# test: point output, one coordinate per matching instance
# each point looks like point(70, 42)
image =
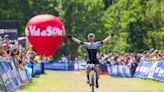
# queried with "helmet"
point(91, 34)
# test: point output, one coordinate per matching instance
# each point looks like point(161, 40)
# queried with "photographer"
point(14, 53)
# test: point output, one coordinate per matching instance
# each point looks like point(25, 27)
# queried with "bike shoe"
point(87, 81)
point(97, 84)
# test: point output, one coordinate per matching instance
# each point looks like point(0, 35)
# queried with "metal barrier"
point(150, 70)
point(12, 78)
point(145, 69)
point(119, 70)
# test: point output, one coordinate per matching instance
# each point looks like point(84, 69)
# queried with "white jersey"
point(92, 49)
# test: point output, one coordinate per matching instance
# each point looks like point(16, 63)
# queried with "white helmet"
point(91, 34)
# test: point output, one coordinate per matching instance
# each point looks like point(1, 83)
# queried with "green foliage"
point(142, 20)
point(138, 24)
point(14, 10)
point(80, 18)
point(43, 6)
point(23, 10)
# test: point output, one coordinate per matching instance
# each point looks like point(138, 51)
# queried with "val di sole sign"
point(45, 32)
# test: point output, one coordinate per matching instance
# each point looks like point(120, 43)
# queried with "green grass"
point(74, 81)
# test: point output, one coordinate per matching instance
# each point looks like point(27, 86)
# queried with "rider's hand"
point(112, 34)
point(70, 36)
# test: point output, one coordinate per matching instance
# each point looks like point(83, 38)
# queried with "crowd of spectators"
point(132, 58)
point(12, 50)
point(66, 59)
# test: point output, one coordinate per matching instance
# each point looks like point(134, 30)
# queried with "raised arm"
point(108, 38)
point(75, 39)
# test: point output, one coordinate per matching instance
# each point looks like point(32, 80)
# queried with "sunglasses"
point(90, 36)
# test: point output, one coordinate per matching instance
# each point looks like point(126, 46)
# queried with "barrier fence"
point(145, 69)
point(12, 78)
point(150, 70)
point(65, 66)
point(119, 70)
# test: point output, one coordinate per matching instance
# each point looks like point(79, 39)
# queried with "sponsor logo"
point(49, 31)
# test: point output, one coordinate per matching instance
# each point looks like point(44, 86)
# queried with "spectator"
point(4, 50)
point(37, 58)
point(64, 59)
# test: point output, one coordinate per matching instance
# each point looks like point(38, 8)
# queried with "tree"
point(80, 18)
point(13, 10)
point(138, 24)
point(139, 20)
point(107, 3)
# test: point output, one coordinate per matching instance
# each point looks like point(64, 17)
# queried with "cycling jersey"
point(92, 49)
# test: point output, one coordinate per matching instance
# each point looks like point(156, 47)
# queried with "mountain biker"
point(92, 48)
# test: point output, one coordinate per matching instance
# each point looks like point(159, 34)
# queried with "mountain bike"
point(92, 76)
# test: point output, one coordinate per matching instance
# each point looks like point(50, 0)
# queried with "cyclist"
point(92, 48)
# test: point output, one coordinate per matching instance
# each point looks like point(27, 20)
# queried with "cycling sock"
point(88, 77)
point(97, 84)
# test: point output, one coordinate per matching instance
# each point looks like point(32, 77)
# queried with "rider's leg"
point(87, 71)
point(97, 72)
point(97, 76)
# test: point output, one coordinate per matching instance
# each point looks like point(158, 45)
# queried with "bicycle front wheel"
point(92, 88)
point(92, 84)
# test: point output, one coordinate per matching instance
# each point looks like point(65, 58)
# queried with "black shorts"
point(96, 62)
